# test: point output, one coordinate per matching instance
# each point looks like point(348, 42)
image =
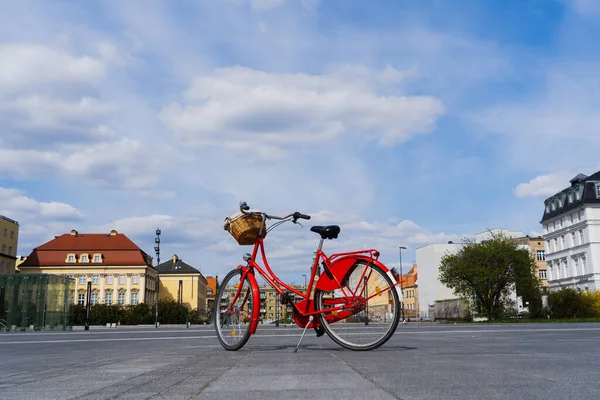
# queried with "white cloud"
point(310, 5)
point(238, 106)
point(123, 164)
point(265, 5)
point(544, 185)
point(586, 7)
point(48, 113)
point(30, 65)
point(18, 206)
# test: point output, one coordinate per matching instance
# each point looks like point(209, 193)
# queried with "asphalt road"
point(421, 361)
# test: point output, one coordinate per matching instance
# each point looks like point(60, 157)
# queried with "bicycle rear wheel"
point(371, 304)
point(233, 311)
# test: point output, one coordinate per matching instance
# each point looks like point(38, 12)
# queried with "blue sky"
point(404, 122)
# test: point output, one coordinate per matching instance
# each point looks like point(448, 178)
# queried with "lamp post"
point(401, 275)
point(304, 275)
point(157, 250)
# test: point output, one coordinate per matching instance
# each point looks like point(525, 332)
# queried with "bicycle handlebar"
point(295, 216)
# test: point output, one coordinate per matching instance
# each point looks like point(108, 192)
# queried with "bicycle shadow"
point(319, 347)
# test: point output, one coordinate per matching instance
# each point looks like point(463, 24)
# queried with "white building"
point(571, 232)
point(429, 258)
point(431, 289)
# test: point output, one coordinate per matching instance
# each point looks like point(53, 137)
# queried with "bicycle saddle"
point(327, 232)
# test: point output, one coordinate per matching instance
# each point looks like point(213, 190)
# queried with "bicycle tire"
point(228, 281)
point(329, 327)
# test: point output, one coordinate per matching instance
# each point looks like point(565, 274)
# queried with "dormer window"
point(570, 198)
point(97, 258)
point(547, 208)
point(84, 258)
point(578, 195)
point(553, 206)
point(71, 258)
point(560, 203)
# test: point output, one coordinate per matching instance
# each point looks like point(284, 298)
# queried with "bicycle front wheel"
point(365, 311)
point(233, 311)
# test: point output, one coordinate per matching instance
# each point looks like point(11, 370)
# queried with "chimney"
point(113, 233)
point(73, 232)
point(175, 258)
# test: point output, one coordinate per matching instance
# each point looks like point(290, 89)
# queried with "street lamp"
point(304, 275)
point(157, 250)
point(401, 275)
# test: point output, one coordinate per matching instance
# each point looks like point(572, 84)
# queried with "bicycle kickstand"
point(310, 319)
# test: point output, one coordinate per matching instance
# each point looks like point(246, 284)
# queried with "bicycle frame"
point(336, 267)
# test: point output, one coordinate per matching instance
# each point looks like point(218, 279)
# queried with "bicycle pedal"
point(320, 330)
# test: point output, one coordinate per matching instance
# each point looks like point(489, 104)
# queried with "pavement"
point(421, 361)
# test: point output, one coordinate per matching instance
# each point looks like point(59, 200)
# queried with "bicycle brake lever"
point(298, 223)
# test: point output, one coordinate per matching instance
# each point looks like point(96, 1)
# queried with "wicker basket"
point(244, 228)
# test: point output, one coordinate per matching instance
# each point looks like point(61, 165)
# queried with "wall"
point(430, 288)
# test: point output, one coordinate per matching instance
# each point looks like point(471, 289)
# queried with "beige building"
point(183, 283)
point(538, 251)
point(410, 292)
point(119, 271)
point(9, 240)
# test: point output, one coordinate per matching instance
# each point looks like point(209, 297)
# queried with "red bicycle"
point(351, 296)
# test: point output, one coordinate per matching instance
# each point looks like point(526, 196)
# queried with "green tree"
point(485, 272)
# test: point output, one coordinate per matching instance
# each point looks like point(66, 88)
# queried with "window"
point(122, 280)
point(583, 266)
point(571, 218)
point(553, 206)
point(134, 298)
point(541, 255)
point(82, 279)
point(71, 258)
point(95, 279)
point(598, 190)
point(135, 279)
point(578, 195)
point(581, 241)
point(109, 279)
point(9, 250)
point(12, 234)
point(5, 231)
point(570, 197)
point(576, 266)
point(108, 298)
point(4, 248)
point(94, 299)
point(121, 298)
point(97, 258)
point(209, 291)
point(562, 242)
point(84, 258)
point(81, 299)
point(542, 274)
point(574, 238)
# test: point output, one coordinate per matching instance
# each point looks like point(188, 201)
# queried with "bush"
point(570, 303)
point(169, 312)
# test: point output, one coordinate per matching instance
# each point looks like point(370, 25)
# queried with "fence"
point(36, 302)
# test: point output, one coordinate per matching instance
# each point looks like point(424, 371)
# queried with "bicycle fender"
point(342, 267)
point(256, 298)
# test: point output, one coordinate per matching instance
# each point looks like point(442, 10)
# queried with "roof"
point(211, 283)
point(116, 249)
point(176, 266)
point(581, 192)
point(9, 220)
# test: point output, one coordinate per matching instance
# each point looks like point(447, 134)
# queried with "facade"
point(183, 283)
point(571, 233)
point(537, 248)
point(410, 289)
point(431, 289)
point(270, 305)
point(211, 292)
point(9, 240)
point(119, 271)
